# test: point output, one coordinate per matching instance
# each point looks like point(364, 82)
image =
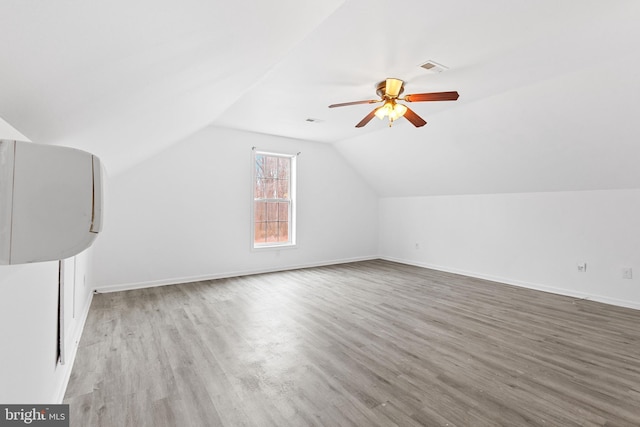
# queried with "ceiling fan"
point(389, 91)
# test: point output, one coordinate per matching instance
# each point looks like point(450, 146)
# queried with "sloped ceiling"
point(549, 94)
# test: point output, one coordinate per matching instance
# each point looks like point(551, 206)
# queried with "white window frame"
point(292, 242)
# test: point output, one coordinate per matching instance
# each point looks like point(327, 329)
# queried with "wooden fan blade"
point(415, 119)
point(344, 104)
point(367, 118)
point(434, 96)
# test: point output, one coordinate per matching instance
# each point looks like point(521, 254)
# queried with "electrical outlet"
point(627, 273)
point(582, 267)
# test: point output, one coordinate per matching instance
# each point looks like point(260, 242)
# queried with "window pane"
point(260, 211)
point(260, 165)
point(284, 167)
point(283, 188)
point(283, 228)
point(259, 192)
point(260, 232)
point(272, 232)
point(269, 188)
point(283, 211)
point(271, 166)
point(272, 211)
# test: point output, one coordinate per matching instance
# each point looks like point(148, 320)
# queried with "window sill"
point(274, 246)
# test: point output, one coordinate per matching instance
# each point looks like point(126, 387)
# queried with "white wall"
point(184, 214)
point(28, 329)
point(527, 239)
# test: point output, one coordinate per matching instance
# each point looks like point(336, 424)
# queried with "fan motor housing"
point(381, 89)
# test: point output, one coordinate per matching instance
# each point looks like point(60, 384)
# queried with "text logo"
point(34, 415)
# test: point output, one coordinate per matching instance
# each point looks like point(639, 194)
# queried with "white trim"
point(275, 153)
point(521, 284)
point(71, 352)
point(266, 246)
point(226, 275)
point(61, 308)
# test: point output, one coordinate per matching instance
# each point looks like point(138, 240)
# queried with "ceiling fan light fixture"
point(392, 110)
point(383, 111)
point(398, 111)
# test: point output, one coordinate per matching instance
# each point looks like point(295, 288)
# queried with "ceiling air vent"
point(434, 67)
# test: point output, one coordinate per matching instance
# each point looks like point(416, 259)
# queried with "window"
point(273, 200)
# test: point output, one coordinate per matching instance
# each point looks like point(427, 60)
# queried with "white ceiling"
point(549, 92)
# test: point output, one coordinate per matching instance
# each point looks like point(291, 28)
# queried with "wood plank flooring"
point(372, 343)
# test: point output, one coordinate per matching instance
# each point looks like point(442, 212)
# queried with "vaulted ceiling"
point(549, 94)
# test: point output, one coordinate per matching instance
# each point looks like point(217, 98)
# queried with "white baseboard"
point(505, 280)
point(72, 350)
point(224, 275)
point(522, 284)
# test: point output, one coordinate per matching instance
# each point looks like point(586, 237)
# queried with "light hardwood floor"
point(372, 343)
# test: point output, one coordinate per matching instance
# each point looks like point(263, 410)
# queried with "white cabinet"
point(50, 201)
